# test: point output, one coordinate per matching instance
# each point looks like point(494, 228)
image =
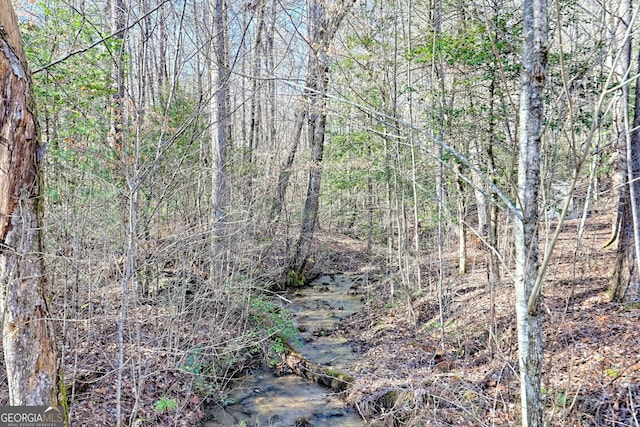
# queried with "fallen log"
point(295, 363)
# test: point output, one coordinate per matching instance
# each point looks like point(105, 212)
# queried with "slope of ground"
point(413, 371)
point(183, 345)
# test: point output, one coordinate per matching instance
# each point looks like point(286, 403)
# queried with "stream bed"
point(263, 399)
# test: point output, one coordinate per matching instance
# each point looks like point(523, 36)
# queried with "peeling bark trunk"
point(28, 337)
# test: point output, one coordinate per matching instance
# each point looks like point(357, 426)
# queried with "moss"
point(339, 375)
point(631, 306)
point(295, 279)
point(339, 380)
point(63, 396)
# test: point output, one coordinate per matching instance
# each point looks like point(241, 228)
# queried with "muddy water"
point(263, 399)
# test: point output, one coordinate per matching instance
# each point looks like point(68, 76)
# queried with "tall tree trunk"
point(324, 20)
point(116, 141)
point(256, 101)
point(256, 129)
point(621, 58)
point(28, 337)
point(492, 237)
point(625, 281)
point(220, 122)
point(462, 228)
point(535, 32)
point(480, 188)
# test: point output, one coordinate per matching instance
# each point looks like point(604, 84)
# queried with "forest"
point(321, 212)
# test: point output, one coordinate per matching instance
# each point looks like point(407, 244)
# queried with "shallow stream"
point(262, 399)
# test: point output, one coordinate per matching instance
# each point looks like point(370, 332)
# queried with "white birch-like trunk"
point(621, 63)
point(526, 239)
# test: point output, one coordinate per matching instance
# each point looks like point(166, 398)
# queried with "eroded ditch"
point(263, 399)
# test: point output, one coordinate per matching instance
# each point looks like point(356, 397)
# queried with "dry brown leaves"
point(408, 374)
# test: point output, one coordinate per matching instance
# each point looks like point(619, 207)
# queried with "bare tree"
point(324, 20)
point(118, 20)
point(28, 338)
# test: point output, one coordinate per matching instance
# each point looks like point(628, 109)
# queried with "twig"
point(575, 398)
point(98, 42)
point(274, 293)
point(632, 406)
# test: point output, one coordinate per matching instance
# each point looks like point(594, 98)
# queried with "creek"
point(263, 399)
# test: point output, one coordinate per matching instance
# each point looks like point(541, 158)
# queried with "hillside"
point(407, 375)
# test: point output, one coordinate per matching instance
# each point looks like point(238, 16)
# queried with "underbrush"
point(180, 349)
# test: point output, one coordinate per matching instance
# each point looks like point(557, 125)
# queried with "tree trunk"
point(285, 169)
point(621, 58)
point(219, 124)
point(118, 18)
point(28, 338)
point(625, 281)
point(530, 134)
point(322, 27)
point(116, 140)
point(480, 191)
point(462, 228)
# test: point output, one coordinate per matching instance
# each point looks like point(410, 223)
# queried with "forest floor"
point(411, 369)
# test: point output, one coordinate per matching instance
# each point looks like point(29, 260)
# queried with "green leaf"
point(165, 404)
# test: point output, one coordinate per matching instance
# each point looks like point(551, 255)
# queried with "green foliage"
point(612, 372)
point(469, 46)
point(278, 345)
point(71, 98)
point(81, 80)
point(165, 404)
point(195, 363)
point(561, 398)
point(295, 279)
point(355, 174)
point(273, 322)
